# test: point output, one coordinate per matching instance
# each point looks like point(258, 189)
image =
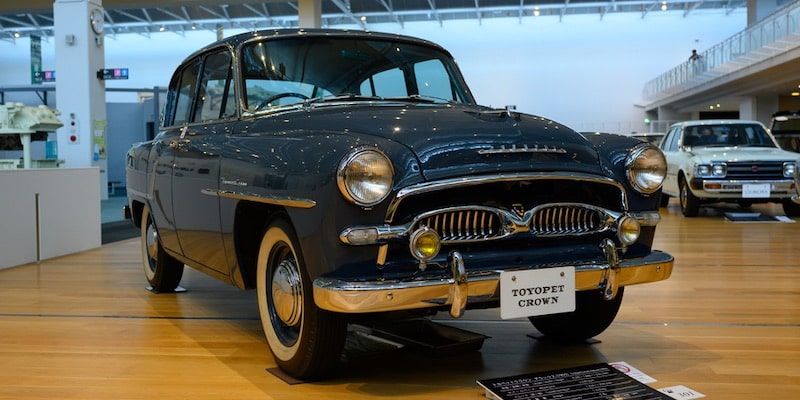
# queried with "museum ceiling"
point(35, 17)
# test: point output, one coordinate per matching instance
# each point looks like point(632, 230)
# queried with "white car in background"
point(731, 161)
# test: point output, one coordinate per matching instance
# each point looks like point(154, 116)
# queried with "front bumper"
point(478, 287)
point(716, 188)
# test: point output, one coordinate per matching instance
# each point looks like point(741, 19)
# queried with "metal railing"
point(775, 34)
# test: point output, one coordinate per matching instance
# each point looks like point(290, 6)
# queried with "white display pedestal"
point(47, 213)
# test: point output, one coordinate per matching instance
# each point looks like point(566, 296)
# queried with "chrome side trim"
point(260, 198)
point(427, 187)
point(481, 286)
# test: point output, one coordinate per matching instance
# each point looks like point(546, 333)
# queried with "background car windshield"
point(727, 135)
point(285, 71)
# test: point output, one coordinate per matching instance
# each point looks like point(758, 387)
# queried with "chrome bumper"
point(781, 188)
point(466, 288)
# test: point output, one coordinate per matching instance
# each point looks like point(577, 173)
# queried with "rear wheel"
point(163, 272)
point(592, 315)
point(305, 341)
point(690, 205)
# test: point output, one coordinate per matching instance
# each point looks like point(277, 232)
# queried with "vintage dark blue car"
point(351, 175)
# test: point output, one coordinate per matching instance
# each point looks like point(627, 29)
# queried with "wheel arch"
point(137, 208)
point(251, 220)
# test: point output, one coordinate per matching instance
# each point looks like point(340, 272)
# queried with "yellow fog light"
point(628, 230)
point(424, 244)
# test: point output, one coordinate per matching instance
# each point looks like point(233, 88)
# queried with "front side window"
point(284, 71)
point(215, 99)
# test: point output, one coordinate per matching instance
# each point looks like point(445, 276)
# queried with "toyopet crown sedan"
point(735, 161)
point(347, 176)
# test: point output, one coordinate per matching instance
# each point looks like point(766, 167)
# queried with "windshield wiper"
point(418, 98)
point(341, 97)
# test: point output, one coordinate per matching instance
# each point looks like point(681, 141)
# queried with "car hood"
point(450, 141)
point(741, 154)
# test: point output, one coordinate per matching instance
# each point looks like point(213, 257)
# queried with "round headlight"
point(647, 168)
point(365, 177)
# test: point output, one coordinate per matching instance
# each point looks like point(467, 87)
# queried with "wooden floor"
point(726, 324)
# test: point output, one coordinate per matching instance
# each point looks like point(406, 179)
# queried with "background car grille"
point(755, 170)
point(565, 220)
point(464, 225)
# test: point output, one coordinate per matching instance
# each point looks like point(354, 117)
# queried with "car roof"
point(236, 40)
point(787, 113)
point(717, 122)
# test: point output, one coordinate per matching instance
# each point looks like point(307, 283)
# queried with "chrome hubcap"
point(151, 242)
point(287, 292)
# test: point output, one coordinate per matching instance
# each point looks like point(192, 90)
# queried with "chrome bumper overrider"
point(463, 287)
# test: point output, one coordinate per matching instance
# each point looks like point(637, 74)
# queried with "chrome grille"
point(755, 170)
point(565, 220)
point(463, 225)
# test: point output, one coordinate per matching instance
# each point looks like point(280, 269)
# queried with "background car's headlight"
point(716, 170)
point(789, 169)
point(647, 168)
point(365, 177)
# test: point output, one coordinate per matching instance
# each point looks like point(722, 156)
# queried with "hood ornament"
point(524, 149)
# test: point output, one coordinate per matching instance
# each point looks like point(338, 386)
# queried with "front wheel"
point(305, 341)
point(592, 315)
point(690, 204)
point(790, 208)
point(163, 272)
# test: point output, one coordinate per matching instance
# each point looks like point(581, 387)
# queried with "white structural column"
point(310, 13)
point(80, 95)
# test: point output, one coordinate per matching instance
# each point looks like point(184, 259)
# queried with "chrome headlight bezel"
point(789, 169)
point(365, 176)
point(713, 170)
point(646, 168)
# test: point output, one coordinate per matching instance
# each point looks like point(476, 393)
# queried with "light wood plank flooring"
point(726, 324)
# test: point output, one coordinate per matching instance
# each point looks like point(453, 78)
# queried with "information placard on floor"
point(596, 381)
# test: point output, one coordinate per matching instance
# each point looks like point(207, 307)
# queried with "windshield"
point(288, 71)
point(727, 135)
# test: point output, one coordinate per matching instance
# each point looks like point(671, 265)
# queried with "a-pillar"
point(80, 95)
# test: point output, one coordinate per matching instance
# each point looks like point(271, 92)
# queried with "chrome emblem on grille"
point(524, 149)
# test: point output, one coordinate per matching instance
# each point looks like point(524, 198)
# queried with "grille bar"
point(463, 224)
point(565, 220)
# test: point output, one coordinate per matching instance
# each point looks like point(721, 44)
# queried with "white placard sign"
point(537, 292)
point(681, 392)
